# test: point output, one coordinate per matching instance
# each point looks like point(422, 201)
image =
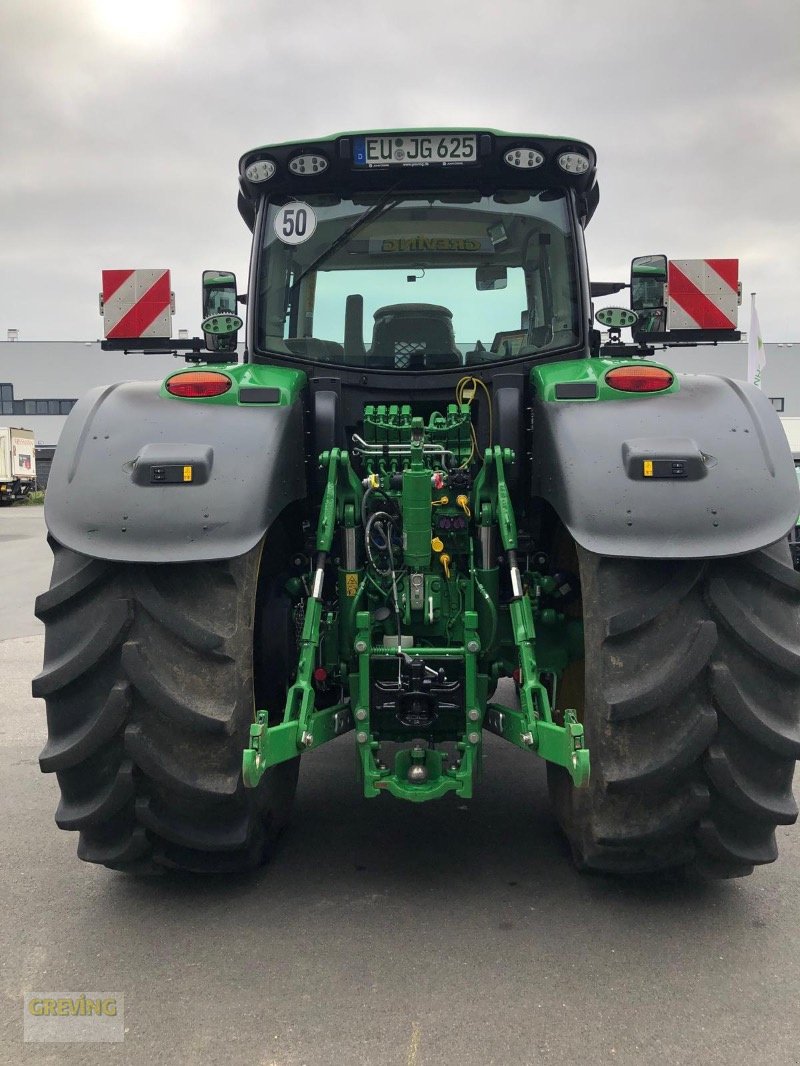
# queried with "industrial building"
point(41, 380)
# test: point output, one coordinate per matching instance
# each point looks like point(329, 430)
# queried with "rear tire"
point(691, 713)
point(149, 682)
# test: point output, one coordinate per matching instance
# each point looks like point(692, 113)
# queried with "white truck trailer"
point(791, 426)
point(17, 464)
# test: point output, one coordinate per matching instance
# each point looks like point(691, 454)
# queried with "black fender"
point(733, 490)
point(104, 499)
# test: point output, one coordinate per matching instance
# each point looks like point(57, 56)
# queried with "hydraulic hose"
point(492, 609)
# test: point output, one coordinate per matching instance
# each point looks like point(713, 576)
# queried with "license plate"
point(417, 150)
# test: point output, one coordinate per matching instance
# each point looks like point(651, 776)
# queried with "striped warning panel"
point(702, 293)
point(136, 303)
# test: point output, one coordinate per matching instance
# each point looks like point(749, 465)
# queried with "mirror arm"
point(607, 288)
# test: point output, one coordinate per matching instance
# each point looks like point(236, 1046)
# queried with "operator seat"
point(414, 337)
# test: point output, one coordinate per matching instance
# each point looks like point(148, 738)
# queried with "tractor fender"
point(721, 483)
point(141, 478)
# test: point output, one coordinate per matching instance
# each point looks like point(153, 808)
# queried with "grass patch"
point(35, 498)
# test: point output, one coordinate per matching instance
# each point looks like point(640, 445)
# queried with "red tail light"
point(639, 378)
point(196, 384)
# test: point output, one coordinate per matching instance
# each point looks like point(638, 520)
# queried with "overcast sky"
point(122, 123)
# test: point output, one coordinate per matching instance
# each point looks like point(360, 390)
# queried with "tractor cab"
point(408, 252)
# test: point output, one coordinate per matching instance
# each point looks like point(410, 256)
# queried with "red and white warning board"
point(136, 303)
point(702, 293)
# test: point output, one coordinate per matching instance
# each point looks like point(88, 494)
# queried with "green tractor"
point(430, 501)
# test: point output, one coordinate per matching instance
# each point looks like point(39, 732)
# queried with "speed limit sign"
point(295, 222)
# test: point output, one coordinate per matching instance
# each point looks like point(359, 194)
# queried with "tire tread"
point(148, 680)
point(692, 715)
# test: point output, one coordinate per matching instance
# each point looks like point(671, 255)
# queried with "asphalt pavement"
point(383, 932)
point(25, 563)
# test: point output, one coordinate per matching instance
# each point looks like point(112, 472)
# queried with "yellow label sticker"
point(351, 584)
point(187, 473)
point(648, 467)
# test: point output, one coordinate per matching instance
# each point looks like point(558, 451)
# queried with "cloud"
point(120, 147)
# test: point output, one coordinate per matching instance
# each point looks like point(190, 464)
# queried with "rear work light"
point(259, 170)
point(639, 378)
point(524, 158)
point(573, 162)
point(196, 384)
point(308, 164)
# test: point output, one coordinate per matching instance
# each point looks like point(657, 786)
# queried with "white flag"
point(756, 353)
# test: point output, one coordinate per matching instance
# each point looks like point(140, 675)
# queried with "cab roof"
point(345, 172)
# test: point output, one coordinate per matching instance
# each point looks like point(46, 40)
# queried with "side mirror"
point(649, 294)
point(219, 292)
point(221, 323)
point(488, 278)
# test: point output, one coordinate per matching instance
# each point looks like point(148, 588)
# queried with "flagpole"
point(756, 355)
